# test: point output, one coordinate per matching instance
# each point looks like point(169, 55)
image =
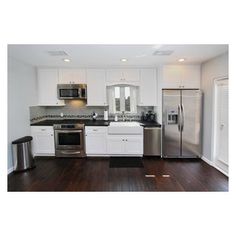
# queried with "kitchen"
point(135, 117)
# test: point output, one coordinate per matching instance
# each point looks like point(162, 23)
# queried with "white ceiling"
point(95, 55)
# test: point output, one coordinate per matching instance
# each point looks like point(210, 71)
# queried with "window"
point(122, 98)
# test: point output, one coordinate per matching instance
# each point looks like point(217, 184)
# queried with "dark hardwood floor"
point(94, 174)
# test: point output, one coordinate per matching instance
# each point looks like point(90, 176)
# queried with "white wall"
point(21, 94)
point(212, 69)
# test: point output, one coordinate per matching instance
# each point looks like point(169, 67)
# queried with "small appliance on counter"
point(148, 116)
point(105, 114)
point(94, 116)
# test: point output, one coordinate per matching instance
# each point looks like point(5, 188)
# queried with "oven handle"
point(70, 152)
point(71, 131)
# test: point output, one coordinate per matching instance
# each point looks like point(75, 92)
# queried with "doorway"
point(221, 124)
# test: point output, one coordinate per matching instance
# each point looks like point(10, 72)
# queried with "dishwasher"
point(152, 141)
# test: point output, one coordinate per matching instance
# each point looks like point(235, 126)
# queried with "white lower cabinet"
point(43, 141)
point(115, 144)
point(96, 140)
point(125, 144)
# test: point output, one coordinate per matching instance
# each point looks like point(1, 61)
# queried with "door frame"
point(214, 123)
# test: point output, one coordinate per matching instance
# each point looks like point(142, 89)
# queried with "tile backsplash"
point(76, 109)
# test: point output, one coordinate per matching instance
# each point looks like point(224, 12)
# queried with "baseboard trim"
point(10, 170)
point(213, 165)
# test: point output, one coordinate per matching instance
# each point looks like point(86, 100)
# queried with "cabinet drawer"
point(43, 129)
point(95, 129)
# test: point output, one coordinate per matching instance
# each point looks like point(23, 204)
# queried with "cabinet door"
point(115, 145)
point(72, 76)
point(43, 140)
point(134, 145)
point(96, 87)
point(96, 144)
point(114, 75)
point(172, 76)
point(148, 87)
point(131, 75)
point(47, 87)
point(122, 75)
point(191, 76)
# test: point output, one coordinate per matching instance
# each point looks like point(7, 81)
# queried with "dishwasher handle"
point(152, 128)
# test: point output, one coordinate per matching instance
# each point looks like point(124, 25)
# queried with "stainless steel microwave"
point(71, 91)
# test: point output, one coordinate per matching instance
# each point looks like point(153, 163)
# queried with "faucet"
point(123, 115)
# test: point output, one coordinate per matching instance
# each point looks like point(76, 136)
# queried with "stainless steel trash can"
point(22, 154)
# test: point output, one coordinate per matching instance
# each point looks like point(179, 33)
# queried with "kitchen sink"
point(125, 123)
point(132, 127)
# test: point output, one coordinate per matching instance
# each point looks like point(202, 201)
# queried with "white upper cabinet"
point(181, 76)
point(72, 76)
point(47, 88)
point(148, 87)
point(122, 76)
point(96, 87)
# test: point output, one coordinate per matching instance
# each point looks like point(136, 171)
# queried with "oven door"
point(69, 139)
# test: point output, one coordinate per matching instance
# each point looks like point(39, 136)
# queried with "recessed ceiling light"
point(66, 60)
point(181, 60)
point(123, 59)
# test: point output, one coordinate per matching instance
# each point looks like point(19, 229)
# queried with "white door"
point(133, 145)
point(47, 87)
point(221, 124)
point(172, 76)
point(148, 87)
point(114, 75)
point(43, 140)
point(115, 145)
point(96, 144)
point(191, 76)
point(72, 76)
point(131, 75)
point(96, 82)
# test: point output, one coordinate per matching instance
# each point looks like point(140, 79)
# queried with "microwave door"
point(68, 93)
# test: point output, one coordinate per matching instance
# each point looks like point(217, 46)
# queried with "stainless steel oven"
point(69, 140)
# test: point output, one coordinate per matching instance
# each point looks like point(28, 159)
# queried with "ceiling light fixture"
point(181, 60)
point(123, 59)
point(66, 60)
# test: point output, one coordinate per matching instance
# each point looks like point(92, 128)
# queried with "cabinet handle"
point(123, 140)
point(126, 140)
point(95, 130)
point(43, 129)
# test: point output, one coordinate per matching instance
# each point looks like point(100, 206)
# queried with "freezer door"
point(191, 109)
point(171, 136)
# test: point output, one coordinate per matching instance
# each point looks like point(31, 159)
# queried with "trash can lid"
point(22, 140)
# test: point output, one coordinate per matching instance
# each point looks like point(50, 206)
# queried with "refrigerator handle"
point(182, 117)
point(179, 117)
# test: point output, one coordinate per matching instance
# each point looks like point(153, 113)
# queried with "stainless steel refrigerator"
point(182, 123)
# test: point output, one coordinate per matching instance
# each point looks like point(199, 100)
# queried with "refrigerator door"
point(191, 108)
point(171, 139)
